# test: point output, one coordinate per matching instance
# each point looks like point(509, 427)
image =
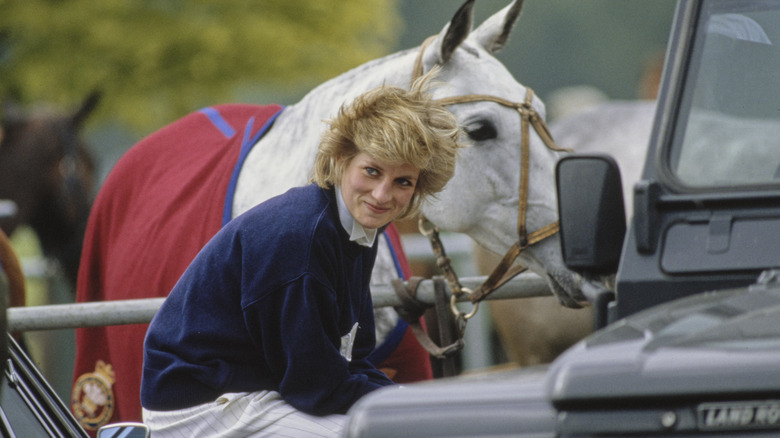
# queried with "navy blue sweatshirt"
point(264, 306)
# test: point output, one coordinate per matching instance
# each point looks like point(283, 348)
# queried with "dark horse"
point(47, 172)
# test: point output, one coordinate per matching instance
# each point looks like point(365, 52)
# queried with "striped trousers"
point(247, 414)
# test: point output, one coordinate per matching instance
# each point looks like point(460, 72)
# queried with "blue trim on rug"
point(397, 263)
point(383, 351)
point(246, 145)
point(220, 123)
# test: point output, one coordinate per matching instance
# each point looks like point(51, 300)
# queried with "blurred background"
point(155, 61)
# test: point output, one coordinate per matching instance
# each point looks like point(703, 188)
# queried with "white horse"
point(481, 200)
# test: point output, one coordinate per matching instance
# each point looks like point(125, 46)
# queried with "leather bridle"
point(502, 272)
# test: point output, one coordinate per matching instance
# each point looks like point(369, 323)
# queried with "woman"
point(267, 331)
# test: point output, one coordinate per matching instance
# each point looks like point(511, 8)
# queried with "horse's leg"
point(535, 331)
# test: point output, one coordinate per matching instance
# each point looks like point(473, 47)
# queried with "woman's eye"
point(371, 171)
point(405, 182)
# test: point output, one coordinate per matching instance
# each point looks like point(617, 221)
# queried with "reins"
point(504, 271)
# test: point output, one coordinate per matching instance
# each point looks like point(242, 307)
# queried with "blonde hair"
point(395, 126)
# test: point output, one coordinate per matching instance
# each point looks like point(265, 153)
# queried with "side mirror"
point(124, 430)
point(591, 213)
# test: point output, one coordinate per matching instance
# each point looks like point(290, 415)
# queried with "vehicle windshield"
point(728, 128)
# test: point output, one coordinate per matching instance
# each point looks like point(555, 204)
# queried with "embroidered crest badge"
point(92, 400)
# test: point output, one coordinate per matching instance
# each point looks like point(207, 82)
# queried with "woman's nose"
point(382, 192)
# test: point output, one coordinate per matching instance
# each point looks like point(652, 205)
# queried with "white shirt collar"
point(357, 233)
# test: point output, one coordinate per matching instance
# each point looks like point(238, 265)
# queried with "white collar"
point(357, 233)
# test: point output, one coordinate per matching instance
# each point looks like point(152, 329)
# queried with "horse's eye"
point(481, 131)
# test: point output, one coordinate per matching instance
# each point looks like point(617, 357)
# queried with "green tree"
point(156, 60)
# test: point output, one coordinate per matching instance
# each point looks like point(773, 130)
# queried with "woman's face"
point(376, 192)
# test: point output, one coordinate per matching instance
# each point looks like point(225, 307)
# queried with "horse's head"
point(48, 172)
point(485, 199)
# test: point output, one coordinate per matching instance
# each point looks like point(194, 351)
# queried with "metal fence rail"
point(141, 311)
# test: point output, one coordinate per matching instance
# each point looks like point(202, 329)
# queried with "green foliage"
point(156, 60)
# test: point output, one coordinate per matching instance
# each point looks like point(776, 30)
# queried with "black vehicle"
point(691, 343)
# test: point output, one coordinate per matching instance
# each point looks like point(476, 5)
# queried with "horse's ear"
point(454, 33)
point(494, 32)
point(89, 104)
